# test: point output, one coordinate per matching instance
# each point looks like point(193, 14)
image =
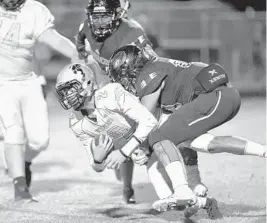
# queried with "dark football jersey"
point(128, 32)
point(182, 82)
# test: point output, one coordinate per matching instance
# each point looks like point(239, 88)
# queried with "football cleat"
point(171, 203)
point(128, 196)
point(190, 211)
point(22, 191)
point(213, 209)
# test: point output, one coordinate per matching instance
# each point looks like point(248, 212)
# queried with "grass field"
point(69, 191)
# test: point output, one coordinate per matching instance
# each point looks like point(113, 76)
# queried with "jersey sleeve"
point(135, 35)
point(131, 107)
point(148, 83)
point(43, 20)
point(80, 38)
point(75, 124)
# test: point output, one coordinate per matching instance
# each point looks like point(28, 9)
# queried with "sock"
point(255, 149)
point(176, 173)
point(193, 176)
point(201, 202)
point(28, 175)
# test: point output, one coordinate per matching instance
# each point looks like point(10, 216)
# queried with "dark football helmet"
point(11, 5)
point(125, 65)
point(104, 17)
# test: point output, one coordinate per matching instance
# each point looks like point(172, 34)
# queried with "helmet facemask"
point(12, 5)
point(103, 18)
point(73, 92)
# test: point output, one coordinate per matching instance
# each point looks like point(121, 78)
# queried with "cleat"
point(201, 190)
point(22, 191)
point(190, 211)
point(128, 196)
point(171, 203)
point(213, 209)
point(28, 173)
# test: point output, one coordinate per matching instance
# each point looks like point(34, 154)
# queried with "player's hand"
point(114, 160)
point(101, 147)
point(139, 157)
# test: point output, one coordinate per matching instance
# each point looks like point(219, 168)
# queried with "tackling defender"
point(106, 30)
point(192, 98)
point(24, 23)
point(101, 120)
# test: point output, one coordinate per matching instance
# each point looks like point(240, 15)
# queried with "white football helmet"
point(75, 82)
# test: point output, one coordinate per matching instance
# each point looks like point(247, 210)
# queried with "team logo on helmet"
point(77, 68)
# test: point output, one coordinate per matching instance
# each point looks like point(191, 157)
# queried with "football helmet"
point(125, 65)
point(11, 5)
point(75, 82)
point(104, 17)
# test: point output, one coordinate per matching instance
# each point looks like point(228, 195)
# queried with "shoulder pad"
point(148, 83)
point(135, 34)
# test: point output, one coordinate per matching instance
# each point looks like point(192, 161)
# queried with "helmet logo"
point(77, 68)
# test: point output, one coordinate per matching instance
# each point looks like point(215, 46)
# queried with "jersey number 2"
point(12, 36)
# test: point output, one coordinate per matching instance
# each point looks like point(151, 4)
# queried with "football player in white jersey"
point(23, 110)
point(100, 119)
point(110, 112)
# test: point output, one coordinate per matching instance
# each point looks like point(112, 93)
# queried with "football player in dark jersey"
point(104, 31)
point(192, 98)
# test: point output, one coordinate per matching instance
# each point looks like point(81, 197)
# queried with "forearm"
point(58, 42)
point(64, 46)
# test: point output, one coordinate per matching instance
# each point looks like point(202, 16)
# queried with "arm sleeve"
point(43, 20)
point(130, 106)
point(137, 36)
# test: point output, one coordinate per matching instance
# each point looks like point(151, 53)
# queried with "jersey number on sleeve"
point(12, 36)
point(179, 63)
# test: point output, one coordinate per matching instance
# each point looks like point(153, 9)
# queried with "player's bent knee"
point(14, 135)
point(202, 143)
point(39, 144)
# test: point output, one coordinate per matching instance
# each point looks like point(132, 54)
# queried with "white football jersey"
point(118, 114)
point(19, 31)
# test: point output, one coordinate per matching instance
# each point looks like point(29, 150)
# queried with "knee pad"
point(167, 152)
point(14, 135)
point(159, 178)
